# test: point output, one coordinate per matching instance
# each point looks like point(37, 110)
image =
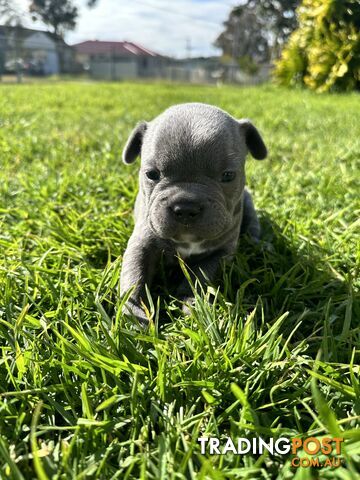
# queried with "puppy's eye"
point(153, 175)
point(228, 176)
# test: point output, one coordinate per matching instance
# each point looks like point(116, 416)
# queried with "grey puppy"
point(192, 200)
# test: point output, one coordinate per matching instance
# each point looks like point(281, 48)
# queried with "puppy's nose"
point(186, 212)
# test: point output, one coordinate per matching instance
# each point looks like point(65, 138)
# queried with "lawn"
point(83, 393)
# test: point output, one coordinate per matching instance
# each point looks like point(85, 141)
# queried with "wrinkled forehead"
point(195, 143)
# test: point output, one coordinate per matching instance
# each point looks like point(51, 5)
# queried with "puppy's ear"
point(253, 139)
point(133, 145)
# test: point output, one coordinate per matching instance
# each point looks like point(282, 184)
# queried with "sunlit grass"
point(83, 392)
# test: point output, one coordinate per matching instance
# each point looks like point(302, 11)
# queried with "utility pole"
point(188, 47)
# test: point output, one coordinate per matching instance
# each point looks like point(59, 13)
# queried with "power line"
point(177, 12)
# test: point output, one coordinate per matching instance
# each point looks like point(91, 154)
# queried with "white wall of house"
point(43, 48)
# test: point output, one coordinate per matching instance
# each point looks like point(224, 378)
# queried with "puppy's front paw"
point(187, 304)
point(136, 311)
point(268, 247)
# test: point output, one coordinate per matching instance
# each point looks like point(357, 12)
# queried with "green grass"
point(83, 393)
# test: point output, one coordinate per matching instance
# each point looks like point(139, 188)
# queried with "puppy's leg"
point(139, 262)
point(205, 271)
point(250, 222)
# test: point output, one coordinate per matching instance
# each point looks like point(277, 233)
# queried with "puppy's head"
point(192, 170)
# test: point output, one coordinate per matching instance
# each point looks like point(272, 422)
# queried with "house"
point(119, 60)
point(34, 51)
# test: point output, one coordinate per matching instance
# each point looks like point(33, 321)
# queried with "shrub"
point(324, 52)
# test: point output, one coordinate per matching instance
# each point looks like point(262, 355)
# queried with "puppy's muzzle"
point(186, 212)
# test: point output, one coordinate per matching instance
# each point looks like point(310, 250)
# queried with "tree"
point(9, 13)
point(60, 15)
point(324, 52)
point(243, 35)
point(257, 29)
point(279, 17)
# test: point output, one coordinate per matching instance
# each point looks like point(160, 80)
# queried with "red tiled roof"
point(96, 47)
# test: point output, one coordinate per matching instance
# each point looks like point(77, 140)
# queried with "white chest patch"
point(191, 248)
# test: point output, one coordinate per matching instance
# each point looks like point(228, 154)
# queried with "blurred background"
point(315, 43)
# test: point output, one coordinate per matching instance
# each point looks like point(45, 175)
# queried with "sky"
point(167, 27)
